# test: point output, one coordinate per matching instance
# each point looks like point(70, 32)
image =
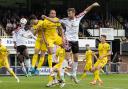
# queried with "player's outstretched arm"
point(50, 19)
point(88, 9)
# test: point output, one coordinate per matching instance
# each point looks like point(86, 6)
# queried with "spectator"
point(9, 27)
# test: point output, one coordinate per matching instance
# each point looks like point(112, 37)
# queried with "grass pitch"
point(112, 81)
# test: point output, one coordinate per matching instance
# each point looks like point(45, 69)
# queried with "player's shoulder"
point(107, 44)
point(90, 51)
point(40, 21)
point(100, 44)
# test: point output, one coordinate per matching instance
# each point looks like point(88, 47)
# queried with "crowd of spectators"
point(10, 18)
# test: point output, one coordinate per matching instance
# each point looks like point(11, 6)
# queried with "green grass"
point(113, 81)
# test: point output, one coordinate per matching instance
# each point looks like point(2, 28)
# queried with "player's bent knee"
point(36, 51)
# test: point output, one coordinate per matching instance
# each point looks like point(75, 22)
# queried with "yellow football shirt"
point(51, 28)
point(3, 50)
point(39, 27)
point(103, 49)
point(88, 56)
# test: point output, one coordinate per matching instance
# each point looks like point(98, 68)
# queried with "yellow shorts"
point(40, 45)
point(54, 40)
point(88, 66)
point(101, 62)
point(4, 63)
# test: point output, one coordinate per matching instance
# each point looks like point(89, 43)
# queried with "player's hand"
point(96, 4)
point(43, 16)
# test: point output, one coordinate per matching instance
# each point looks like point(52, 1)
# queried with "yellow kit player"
point(40, 45)
point(88, 59)
point(60, 54)
point(4, 60)
point(104, 52)
point(57, 69)
point(52, 37)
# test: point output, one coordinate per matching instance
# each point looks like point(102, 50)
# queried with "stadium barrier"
point(108, 69)
point(8, 41)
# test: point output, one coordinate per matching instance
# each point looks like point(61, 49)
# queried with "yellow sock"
point(50, 66)
point(34, 60)
point(50, 60)
point(83, 75)
point(50, 78)
point(40, 62)
point(12, 73)
point(96, 75)
point(59, 74)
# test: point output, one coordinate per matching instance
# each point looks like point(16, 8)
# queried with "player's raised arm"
point(50, 19)
point(88, 9)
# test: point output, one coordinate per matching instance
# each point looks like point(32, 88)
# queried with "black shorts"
point(21, 49)
point(74, 47)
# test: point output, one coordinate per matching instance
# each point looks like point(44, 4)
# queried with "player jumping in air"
point(20, 35)
point(52, 37)
point(72, 29)
point(40, 45)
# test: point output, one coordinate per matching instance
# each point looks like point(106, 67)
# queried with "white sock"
point(74, 68)
point(24, 69)
point(28, 64)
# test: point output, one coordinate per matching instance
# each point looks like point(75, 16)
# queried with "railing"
point(118, 33)
point(108, 69)
point(115, 22)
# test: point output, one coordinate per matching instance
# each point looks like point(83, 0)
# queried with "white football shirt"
point(72, 27)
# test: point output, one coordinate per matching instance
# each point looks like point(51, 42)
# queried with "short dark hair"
point(71, 9)
point(104, 36)
point(33, 17)
point(52, 10)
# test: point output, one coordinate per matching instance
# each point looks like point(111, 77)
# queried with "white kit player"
point(20, 35)
point(72, 29)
